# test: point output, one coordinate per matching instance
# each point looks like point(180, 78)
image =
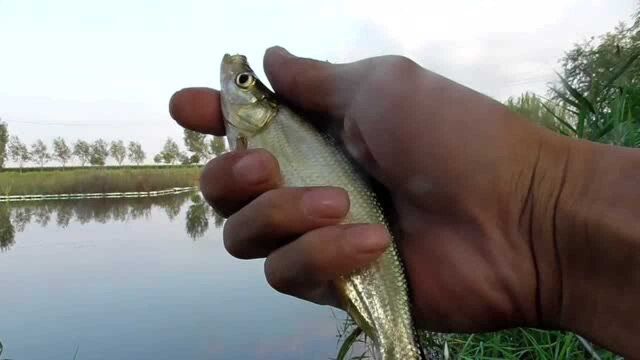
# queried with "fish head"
point(248, 106)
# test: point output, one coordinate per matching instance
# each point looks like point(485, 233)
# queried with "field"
point(97, 180)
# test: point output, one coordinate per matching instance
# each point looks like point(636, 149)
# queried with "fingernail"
point(325, 203)
point(368, 238)
point(252, 169)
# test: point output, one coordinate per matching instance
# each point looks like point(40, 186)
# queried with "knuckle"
point(270, 207)
point(399, 64)
point(394, 69)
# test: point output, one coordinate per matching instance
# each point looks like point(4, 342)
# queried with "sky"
point(106, 69)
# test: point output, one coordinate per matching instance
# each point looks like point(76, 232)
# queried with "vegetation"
point(4, 139)
point(96, 180)
point(98, 152)
point(82, 150)
point(39, 153)
point(18, 152)
point(136, 154)
point(196, 143)
point(597, 96)
point(61, 151)
point(118, 151)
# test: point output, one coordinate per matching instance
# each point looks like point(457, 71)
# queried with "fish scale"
point(377, 295)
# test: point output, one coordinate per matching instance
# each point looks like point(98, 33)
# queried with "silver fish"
point(376, 297)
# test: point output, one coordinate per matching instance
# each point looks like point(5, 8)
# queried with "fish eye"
point(243, 80)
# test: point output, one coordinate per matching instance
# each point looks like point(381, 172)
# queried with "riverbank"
point(97, 180)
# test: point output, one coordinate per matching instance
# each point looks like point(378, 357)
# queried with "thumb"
point(313, 85)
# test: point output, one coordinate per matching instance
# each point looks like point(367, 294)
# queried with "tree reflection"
point(64, 216)
point(7, 231)
point(14, 217)
point(197, 218)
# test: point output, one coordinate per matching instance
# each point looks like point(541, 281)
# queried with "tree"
point(82, 150)
point(40, 153)
point(184, 158)
point(170, 152)
point(18, 151)
point(118, 151)
point(600, 88)
point(157, 159)
point(4, 139)
point(217, 146)
point(61, 151)
point(99, 153)
point(602, 68)
point(196, 143)
point(136, 154)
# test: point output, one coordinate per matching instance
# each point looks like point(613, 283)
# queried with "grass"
point(520, 343)
point(96, 180)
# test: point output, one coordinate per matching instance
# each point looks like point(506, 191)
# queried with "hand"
point(472, 184)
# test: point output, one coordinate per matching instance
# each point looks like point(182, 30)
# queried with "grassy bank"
point(96, 180)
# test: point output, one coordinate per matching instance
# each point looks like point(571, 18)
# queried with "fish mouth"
point(230, 59)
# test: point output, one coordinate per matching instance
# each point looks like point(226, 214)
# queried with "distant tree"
point(157, 159)
point(217, 146)
point(136, 154)
point(18, 151)
point(118, 151)
point(99, 153)
point(196, 143)
point(82, 150)
point(184, 158)
point(40, 153)
point(4, 139)
point(194, 159)
point(61, 151)
point(170, 152)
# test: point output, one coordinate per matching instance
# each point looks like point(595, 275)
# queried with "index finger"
point(198, 109)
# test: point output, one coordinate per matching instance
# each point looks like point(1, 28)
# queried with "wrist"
point(595, 229)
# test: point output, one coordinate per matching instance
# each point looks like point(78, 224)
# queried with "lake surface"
point(142, 279)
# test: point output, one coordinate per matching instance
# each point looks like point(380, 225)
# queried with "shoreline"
point(95, 182)
point(114, 195)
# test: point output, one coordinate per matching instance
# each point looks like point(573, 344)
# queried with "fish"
point(376, 296)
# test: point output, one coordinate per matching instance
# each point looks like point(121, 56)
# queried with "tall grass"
point(96, 180)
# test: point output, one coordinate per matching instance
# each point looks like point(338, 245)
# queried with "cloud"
point(499, 47)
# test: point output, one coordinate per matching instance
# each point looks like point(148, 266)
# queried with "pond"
point(139, 279)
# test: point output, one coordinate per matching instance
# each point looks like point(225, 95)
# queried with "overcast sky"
point(89, 69)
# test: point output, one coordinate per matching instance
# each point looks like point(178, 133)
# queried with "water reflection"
point(7, 230)
point(15, 217)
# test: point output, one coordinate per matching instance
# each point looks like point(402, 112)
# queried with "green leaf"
point(561, 120)
point(616, 75)
point(584, 103)
point(605, 130)
point(566, 99)
point(348, 342)
point(582, 119)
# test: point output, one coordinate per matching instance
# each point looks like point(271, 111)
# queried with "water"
point(142, 279)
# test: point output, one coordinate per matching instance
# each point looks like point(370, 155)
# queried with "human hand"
point(471, 184)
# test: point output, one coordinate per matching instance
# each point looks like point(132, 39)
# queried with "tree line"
point(199, 148)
